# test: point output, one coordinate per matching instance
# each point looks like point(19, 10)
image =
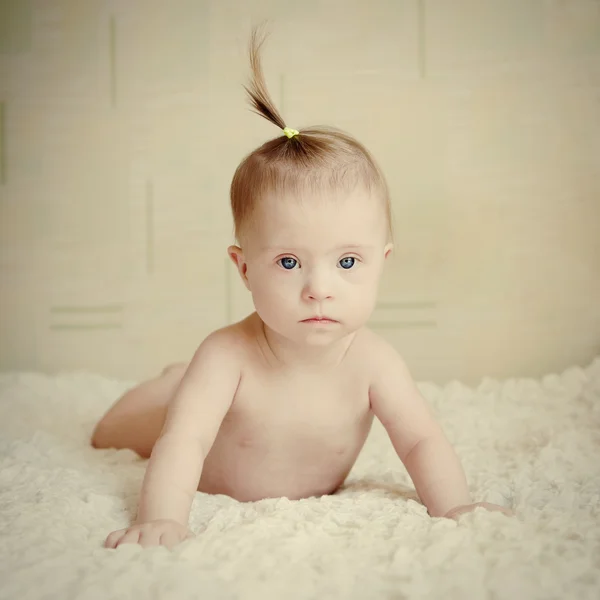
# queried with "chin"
point(320, 339)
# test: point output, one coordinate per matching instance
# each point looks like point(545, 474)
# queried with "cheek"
point(363, 281)
point(269, 290)
point(362, 289)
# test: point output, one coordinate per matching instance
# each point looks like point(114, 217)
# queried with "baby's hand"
point(461, 510)
point(163, 532)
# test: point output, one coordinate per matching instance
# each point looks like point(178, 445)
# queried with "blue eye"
point(347, 262)
point(288, 262)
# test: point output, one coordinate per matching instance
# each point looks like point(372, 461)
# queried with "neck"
point(285, 352)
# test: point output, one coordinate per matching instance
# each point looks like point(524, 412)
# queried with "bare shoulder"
point(208, 387)
point(395, 397)
point(380, 357)
point(227, 346)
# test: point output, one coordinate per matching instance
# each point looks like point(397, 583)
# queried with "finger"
point(496, 508)
point(506, 511)
point(131, 537)
point(113, 538)
point(169, 539)
point(149, 537)
point(456, 512)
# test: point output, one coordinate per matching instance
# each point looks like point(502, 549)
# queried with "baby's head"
point(312, 218)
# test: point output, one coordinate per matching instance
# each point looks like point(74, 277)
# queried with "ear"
point(237, 257)
point(388, 250)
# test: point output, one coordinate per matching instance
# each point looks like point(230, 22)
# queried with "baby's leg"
point(136, 419)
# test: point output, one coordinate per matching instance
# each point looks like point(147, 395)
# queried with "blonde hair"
point(312, 159)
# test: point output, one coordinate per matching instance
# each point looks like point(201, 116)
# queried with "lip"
point(320, 320)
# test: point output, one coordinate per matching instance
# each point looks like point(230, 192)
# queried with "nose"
point(317, 288)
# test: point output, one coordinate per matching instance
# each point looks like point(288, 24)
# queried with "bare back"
point(289, 432)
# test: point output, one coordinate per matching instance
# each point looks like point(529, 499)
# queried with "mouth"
point(319, 320)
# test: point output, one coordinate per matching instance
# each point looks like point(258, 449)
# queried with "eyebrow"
point(341, 247)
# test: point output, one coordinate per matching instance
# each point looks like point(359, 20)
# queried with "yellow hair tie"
point(290, 132)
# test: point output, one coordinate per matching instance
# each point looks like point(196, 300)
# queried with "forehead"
point(314, 220)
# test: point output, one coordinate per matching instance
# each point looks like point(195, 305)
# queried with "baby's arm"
point(418, 439)
point(192, 423)
point(193, 420)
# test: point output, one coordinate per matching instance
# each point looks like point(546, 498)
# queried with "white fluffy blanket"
point(531, 445)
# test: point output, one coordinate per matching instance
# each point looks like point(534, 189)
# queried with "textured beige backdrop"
point(122, 121)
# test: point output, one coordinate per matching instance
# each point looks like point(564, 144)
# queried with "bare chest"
point(299, 411)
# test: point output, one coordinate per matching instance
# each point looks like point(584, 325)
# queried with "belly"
point(250, 466)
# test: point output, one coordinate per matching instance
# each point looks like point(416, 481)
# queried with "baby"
point(281, 403)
